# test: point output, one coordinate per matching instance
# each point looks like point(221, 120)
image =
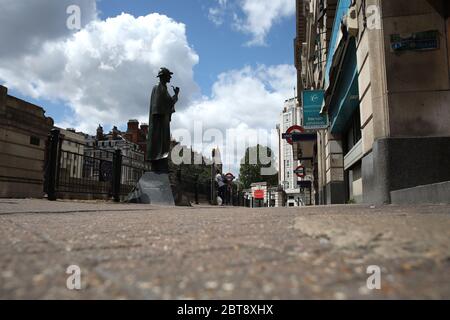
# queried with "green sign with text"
point(312, 104)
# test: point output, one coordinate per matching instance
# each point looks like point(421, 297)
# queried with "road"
point(147, 252)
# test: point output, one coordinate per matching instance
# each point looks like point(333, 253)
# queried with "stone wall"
point(418, 82)
point(23, 134)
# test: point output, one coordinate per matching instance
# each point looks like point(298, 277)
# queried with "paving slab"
point(129, 251)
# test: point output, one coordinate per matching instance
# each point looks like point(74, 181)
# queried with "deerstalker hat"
point(164, 71)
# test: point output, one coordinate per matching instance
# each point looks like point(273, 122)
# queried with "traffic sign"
point(291, 131)
point(298, 136)
point(300, 171)
point(258, 194)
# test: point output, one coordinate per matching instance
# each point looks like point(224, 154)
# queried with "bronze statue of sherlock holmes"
point(162, 105)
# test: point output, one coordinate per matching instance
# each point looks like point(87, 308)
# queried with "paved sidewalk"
point(147, 252)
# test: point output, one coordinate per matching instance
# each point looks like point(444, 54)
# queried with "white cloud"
point(261, 15)
point(216, 16)
point(105, 72)
point(26, 25)
point(217, 13)
point(246, 103)
point(253, 17)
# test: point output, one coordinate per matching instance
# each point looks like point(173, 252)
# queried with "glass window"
point(35, 141)
point(353, 133)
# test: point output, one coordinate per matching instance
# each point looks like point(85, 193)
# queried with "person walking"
point(221, 186)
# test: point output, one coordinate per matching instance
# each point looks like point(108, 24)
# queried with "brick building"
point(137, 134)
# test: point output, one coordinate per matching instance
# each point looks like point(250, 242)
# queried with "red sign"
point(292, 130)
point(300, 171)
point(258, 194)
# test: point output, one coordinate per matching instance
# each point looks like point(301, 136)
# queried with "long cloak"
point(162, 105)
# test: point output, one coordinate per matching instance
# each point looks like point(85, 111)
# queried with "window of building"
point(35, 141)
point(353, 133)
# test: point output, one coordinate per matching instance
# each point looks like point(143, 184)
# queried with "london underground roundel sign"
point(300, 171)
point(292, 130)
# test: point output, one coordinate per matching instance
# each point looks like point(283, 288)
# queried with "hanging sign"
point(312, 104)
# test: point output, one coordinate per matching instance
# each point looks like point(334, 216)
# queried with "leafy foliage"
point(251, 171)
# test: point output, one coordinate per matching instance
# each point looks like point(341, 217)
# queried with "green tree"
point(258, 165)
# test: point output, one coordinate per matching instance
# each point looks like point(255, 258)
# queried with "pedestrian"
point(221, 186)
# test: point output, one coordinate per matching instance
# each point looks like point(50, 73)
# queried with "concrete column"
point(378, 78)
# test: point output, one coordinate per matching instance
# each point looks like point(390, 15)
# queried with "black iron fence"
point(196, 190)
point(83, 170)
point(97, 171)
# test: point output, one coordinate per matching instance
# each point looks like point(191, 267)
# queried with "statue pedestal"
point(158, 189)
point(160, 166)
point(153, 188)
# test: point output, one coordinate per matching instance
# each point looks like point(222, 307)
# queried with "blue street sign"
point(297, 136)
point(304, 137)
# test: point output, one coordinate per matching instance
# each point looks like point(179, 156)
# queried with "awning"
point(335, 69)
point(342, 95)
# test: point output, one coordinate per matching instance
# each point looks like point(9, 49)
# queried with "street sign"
point(258, 194)
point(312, 104)
point(419, 41)
point(297, 136)
point(300, 171)
point(291, 132)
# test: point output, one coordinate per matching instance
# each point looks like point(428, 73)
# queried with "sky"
point(232, 59)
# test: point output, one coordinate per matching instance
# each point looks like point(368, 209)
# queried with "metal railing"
point(91, 171)
point(194, 188)
point(81, 170)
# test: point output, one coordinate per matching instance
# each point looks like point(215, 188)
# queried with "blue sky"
point(220, 47)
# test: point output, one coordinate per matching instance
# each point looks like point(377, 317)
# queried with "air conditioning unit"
point(352, 21)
